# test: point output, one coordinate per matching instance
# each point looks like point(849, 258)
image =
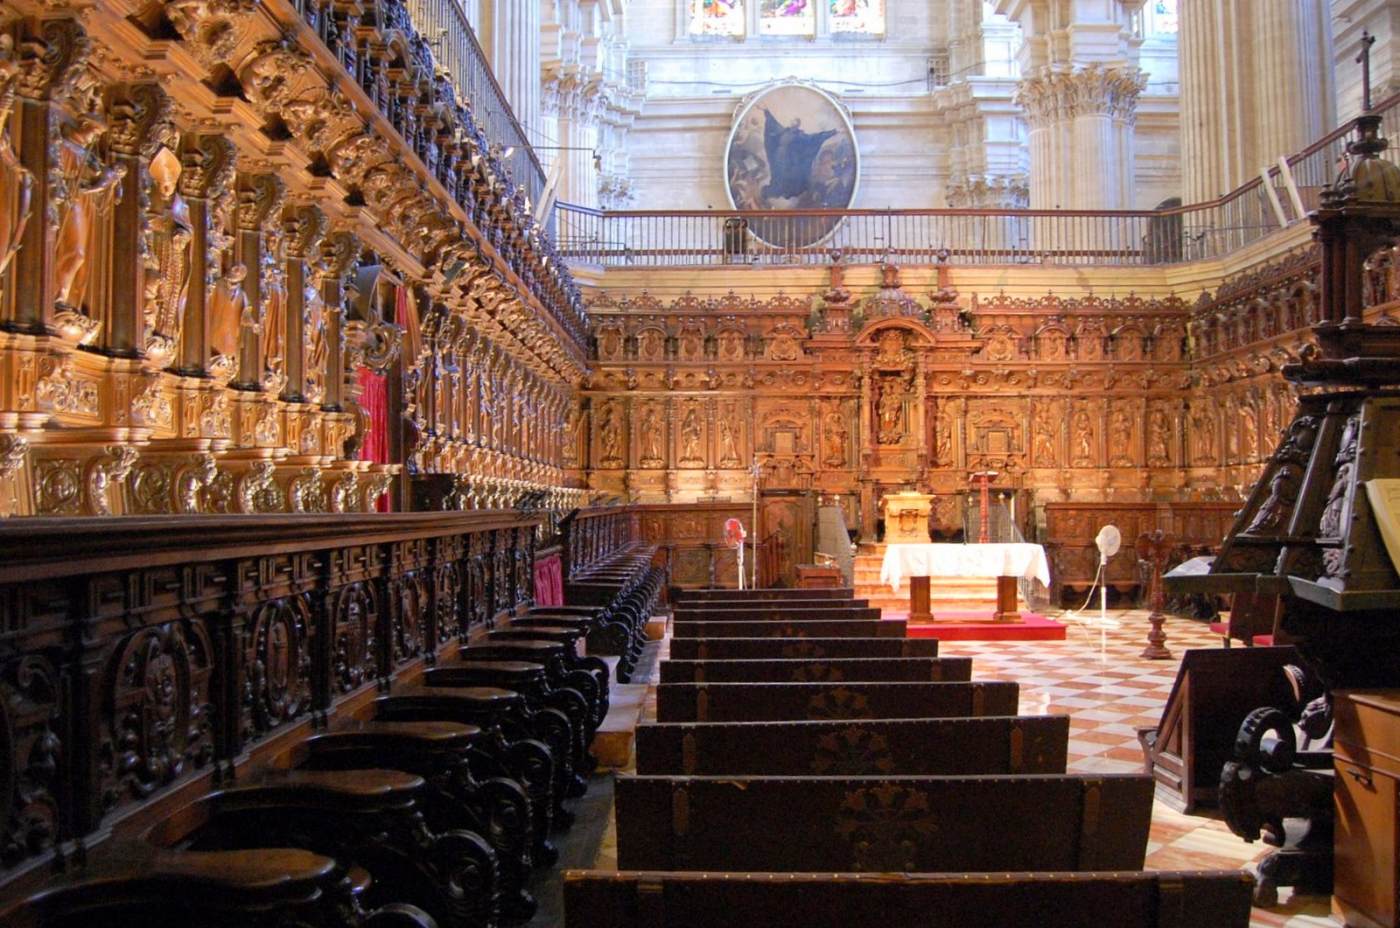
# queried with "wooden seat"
point(883, 824)
point(869, 669)
point(776, 613)
point(755, 702)
point(598, 899)
point(790, 628)
point(925, 747)
point(800, 648)
point(719, 593)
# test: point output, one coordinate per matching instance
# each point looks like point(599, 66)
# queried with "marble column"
point(1289, 61)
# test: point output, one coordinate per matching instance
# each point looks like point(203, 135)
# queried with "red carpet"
point(978, 626)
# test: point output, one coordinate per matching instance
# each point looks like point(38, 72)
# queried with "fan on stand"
point(1108, 541)
point(734, 536)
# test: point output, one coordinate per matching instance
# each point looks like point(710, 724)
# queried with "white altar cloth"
point(950, 560)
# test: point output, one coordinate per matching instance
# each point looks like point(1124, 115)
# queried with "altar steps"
point(966, 596)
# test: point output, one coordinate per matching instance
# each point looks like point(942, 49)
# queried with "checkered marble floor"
point(1109, 691)
point(1100, 680)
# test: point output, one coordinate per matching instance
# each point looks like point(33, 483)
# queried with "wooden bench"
point(884, 824)
point(790, 628)
point(680, 596)
point(866, 669)
point(755, 702)
point(1164, 899)
point(772, 612)
point(905, 747)
point(800, 648)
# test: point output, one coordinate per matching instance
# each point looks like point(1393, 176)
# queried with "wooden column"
point(139, 125)
point(50, 55)
point(303, 225)
point(206, 170)
point(259, 209)
point(340, 255)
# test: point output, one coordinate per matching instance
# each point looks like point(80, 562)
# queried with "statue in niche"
point(609, 344)
point(167, 259)
point(1330, 525)
point(84, 192)
point(728, 436)
point(836, 435)
point(692, 345)
point(611, 438)
point(1278, 505)
point(1158, 440)
point(569, 437)
point(1043, 446)
point(314, 311)
point(1052, 346)
point(274, 321)
point(889, 411)
point(731, 345)
point(15, 178)
point(1204, 431)
point(690, 436)
point(651, 438)
point(651, 345)
point(1120, 438)
point(943, 442)
point(1083, 432)
point(1249, 432)
point(230, 313)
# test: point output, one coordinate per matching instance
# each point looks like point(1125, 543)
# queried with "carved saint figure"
point(314, 338)
point(690, 435)
point(1158, 440)
point(1249, 432)
point(1204, 430)
point(1120, 437)
point(84, 193)
point(274, 315)
point(692, 345)
point(1083, 432)
point(1043, 448)
point(609, 344)
point(168, 259)
point(230, 313)
point(611, 439)
point(1331, 523)
point(889, 412)
point(651, 438)
point(728, 436)
point(17, 182)
point(836, 435)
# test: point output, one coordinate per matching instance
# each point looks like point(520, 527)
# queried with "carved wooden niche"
point(650, 433)
point(651, 344)
point(610, 343)
point(690, 344)
point(1089, 340)
point(994, 433)
point(729, 343)
point(783, 342)
point(690, 435)
point(1052, 341)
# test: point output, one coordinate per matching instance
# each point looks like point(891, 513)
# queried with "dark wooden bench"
point(790, 628)
point(756, 702)
point(1164, 899)
point(884, 824)
point(865, 669)
point(800, 648)
point(712, 593)
point(906, 747)
point(774, 612)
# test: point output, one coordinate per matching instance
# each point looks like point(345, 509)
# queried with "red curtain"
point(549, 581)
point(374, 399)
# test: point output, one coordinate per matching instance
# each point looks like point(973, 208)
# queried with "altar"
point(1007, 562)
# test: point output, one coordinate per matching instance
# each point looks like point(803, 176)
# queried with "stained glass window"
point(717, 17)
point(787, 17)
point(1164, 17)
point(862, 16)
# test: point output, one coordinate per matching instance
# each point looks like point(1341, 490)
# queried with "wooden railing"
point(146, 658)
point(655, 238)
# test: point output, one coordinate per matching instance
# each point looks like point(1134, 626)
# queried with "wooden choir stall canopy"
point(1007, 562)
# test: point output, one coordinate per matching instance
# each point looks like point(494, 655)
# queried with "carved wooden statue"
point(168, 259)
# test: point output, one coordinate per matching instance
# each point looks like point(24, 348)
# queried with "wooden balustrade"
point(147, 659)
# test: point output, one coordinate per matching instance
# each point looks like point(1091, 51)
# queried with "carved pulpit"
point(906, 517)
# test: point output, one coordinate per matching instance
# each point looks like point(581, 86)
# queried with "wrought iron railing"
point(658, 238)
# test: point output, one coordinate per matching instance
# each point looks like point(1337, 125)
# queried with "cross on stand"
point(982, 480)
point(1364, 59)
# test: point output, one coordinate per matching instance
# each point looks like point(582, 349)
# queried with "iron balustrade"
point(687, 238)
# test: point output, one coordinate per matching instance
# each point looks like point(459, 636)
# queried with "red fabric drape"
point(549, 581)
point(374, 399)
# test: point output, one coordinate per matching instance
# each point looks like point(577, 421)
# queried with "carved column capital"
point(139, 120)
point(304, 225)
point(207, 164)
point(260, 201)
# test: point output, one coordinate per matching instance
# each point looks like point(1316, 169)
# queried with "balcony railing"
point(686, 238)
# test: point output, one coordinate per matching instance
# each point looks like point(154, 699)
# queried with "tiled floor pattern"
point(1100, 680)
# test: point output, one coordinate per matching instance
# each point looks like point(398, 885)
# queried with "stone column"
point(1289, 61)
point(511, 38)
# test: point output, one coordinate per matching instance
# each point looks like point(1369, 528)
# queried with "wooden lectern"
point(906, 523)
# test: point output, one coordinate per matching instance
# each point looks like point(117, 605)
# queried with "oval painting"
point(792, 147)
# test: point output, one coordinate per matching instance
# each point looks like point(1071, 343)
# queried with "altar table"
point(1007, 562)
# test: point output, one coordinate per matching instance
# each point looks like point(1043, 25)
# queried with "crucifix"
point(983, 481)
point(1364, 59)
